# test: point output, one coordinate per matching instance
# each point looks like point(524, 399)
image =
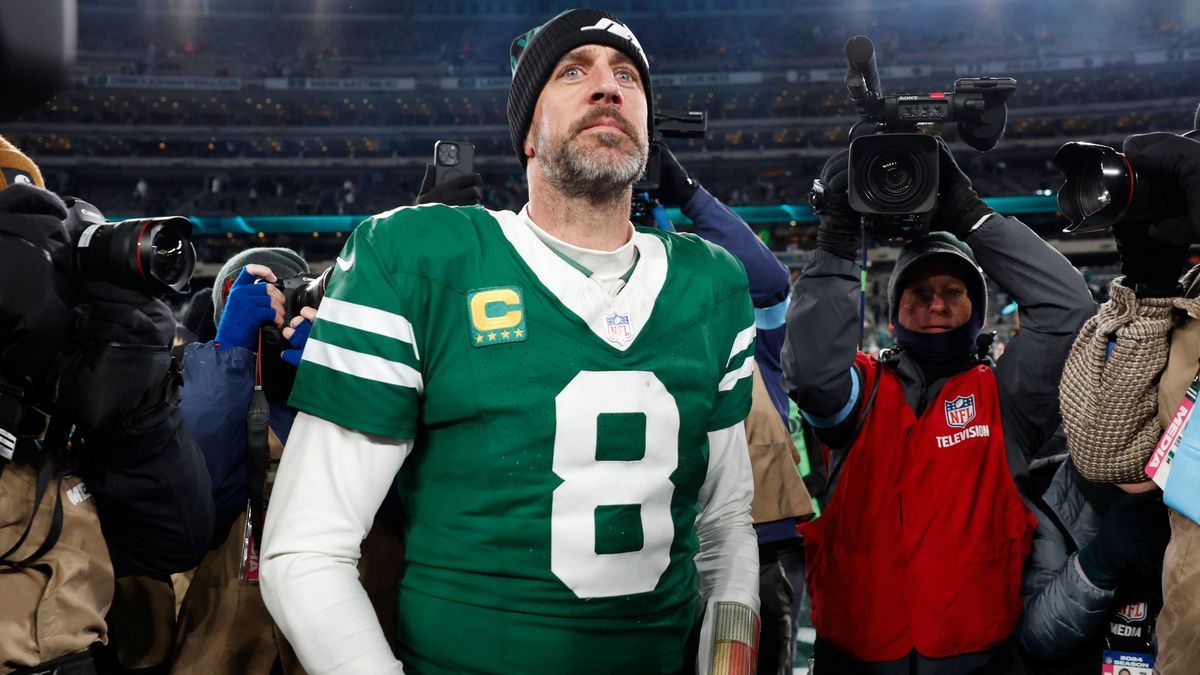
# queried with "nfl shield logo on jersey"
point(619, 332)
point(960, 411)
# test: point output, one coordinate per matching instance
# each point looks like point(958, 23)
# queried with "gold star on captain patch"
point(491, 337)
point(520, 333)
point(478, 339)
point(505, 334)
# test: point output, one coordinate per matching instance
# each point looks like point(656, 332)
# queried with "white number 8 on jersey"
point(589, 483)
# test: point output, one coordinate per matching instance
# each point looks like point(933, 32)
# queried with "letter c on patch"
point(496, 309)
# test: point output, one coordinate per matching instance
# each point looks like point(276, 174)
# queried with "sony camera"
point(893, 174)
point(152, 255)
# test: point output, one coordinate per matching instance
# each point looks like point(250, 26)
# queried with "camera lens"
point(448, 154)
point(1093, 194)
point(172, 258)
point(154, 255)
point(892, 176)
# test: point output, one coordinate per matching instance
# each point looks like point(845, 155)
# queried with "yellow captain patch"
point(497, 315)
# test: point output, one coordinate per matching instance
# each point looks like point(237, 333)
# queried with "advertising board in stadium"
point(163, 82)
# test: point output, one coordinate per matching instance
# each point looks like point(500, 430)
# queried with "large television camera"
point(893, 175)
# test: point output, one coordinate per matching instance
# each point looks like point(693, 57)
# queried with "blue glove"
point(298, 339)
point(247, 308)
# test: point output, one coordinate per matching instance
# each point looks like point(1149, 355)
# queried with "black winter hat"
point(534, 54)
point(956, 253)
point(283, 262)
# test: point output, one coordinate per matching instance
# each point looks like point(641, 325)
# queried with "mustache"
point(611, 112)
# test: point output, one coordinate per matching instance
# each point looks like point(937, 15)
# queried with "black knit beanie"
point(282, 261)
point(534, 54)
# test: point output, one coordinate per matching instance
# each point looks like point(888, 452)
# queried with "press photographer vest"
point(925, 537)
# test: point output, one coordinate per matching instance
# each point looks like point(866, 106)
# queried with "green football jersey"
point(560, 432)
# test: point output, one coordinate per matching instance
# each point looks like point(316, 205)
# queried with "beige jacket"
point(779, 492)
point(57, 606)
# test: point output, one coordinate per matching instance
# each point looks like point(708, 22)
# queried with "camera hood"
point(1099, 186)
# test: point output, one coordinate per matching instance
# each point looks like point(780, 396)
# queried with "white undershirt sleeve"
point(728, 557)
point(330, 483)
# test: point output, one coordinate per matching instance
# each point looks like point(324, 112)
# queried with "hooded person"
point(928, 443)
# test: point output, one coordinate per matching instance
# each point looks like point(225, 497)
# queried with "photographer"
point(1125, 379)
point(223, 625)
point(915, 567)
point(98, 478)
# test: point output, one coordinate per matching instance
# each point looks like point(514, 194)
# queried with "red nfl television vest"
point(923, 543)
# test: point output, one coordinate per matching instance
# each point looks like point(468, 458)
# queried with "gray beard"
point(583, 175)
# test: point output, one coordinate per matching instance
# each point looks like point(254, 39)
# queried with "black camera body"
point(152, 255)
point(669, 123)
point(300, 291)
point(893, 174)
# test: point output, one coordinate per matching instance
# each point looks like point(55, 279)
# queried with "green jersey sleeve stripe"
point(741, 342)
point(734, 376)
point(369, 319)
point(364, 366)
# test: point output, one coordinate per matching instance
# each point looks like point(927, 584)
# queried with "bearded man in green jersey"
point(562, 397)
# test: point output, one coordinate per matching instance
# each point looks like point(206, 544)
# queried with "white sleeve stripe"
point(742, 341)
point(365, 366)
point(370, 319)
point(734, 376)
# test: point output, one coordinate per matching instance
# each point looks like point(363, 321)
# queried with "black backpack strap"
point(45, 470)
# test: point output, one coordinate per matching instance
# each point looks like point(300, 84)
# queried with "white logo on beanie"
point(22, 178)
point(617, 29)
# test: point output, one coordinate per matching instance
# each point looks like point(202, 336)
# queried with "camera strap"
point(257, 462)
point(45, 471)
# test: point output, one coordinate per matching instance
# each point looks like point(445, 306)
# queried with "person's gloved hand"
point(840, 229)
point(1134, 527)
point(959, 206)
point(675, 186)
point(1175, 161)
point(297, 335)
point(461, 191)
point(1151, 268)
point(249, 306)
